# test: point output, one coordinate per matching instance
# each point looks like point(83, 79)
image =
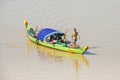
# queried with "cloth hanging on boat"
point(46, 32)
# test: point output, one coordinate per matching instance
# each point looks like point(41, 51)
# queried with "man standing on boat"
point(75, 35)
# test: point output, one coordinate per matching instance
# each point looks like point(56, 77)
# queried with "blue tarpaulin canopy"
point(46, 32)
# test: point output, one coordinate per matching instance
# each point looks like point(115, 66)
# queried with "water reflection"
point(57, 56)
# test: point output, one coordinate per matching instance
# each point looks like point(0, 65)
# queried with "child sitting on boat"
point(32, 33)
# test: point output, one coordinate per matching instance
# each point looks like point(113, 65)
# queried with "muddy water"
point(96, 21)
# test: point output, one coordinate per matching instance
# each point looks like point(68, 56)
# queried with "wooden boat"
point(45, 33)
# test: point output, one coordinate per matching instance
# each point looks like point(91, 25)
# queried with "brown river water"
point(97, 21)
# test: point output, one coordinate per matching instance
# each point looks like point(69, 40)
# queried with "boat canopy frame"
point(46, 32)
